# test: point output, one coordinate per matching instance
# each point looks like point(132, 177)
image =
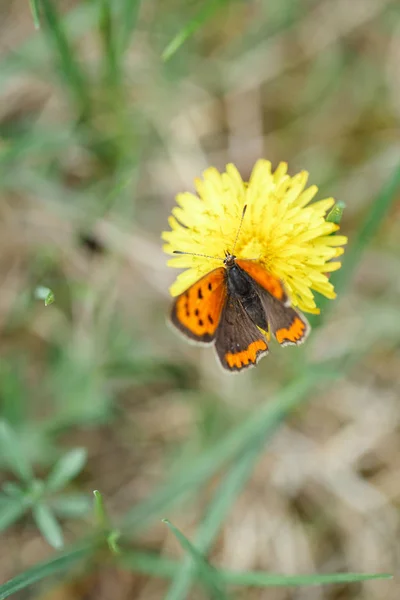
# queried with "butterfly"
point(235, 307)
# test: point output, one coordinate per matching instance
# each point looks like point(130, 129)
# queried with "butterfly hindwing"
point(239, 343)
point(288, 325)
point(197, 312)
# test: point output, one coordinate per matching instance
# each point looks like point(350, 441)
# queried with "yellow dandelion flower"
point(286, 233)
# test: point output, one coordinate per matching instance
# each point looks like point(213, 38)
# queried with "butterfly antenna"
point(239, 228)
point(195, 254)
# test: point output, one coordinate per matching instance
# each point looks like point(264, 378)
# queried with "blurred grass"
point(218, 508)
point(35, 13)
point(106, 112)
point(161, 567)
point(67, 66)
point(244, 439)
point(207, 11)
point(208, 576)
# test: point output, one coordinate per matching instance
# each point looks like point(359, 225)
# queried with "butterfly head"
point(229, 260)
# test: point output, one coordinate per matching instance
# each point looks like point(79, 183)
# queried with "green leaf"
point(217, 511)
point(49, 298)
point(10, 448)
point(13, 392)
point(208, 575)
point(71, 505)
point(48, 525)
point(336, 214)
point(60, 564)
point(4, 499)
point(12, 489)
point(68, 467)
point(11, 511)
point(46, 294)
point(208, 9)
point(35, 13)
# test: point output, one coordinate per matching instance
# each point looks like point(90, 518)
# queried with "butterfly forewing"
point(197, 312)
point(268, 282)
point(239, 343)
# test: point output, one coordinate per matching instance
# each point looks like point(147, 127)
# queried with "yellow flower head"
point(281, 229)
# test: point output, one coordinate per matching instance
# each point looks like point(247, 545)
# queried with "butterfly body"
point(233, 307)
point(241, 287)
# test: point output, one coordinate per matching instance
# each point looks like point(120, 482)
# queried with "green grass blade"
point(218, 509)
point(207, 574)
point(32, 53)
point(100, 511)
point(190, 28)
point(149, 563)
point(158, 566)
point(377, 212)
point(68, 467)
point(68, 65)
point(13, 392)
point(60, 564)
point(108, 37)
point(112, 541)
point(129, 16)
point(262, 422)
point(11, 449)
point(368, 229)
point(35, 13)
point(261, 579)
point(48, 525)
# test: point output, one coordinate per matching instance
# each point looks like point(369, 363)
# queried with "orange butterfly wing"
point(197, 312)
point(293, 329)
point(272, 284)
